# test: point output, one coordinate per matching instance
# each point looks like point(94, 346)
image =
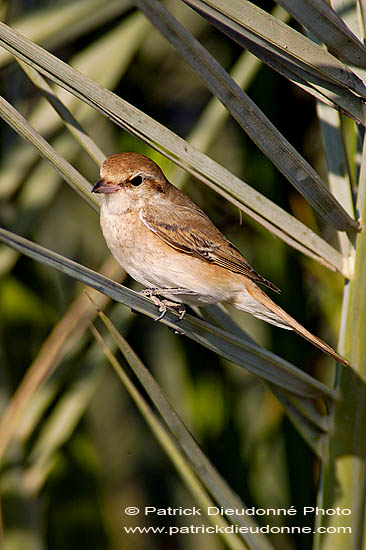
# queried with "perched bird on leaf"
point(167, 243)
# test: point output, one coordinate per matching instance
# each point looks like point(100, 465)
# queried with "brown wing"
point(192, 232)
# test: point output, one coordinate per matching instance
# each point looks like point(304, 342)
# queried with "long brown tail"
point(259, 295)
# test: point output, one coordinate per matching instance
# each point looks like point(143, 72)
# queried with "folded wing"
point(190, 231)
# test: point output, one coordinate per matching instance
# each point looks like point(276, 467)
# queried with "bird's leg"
point(174, 291)
point(163, 303)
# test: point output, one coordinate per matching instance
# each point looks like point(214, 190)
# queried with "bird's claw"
point(163, 306)
point(182, 311)
point(163, 303)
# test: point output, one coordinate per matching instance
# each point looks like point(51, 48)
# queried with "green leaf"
point(288, 52)
point(207, 473)
point(200, 166)
point(28, 402)
point(121, 43)
point(342, 477)
point(303, 413)
point(319, 17)
point(264, 134)
point(57, 24)
point(243, 353)
point(68, 172)
point(194, 459)
point(60, 424)
point(211, 121)
point(68, 119)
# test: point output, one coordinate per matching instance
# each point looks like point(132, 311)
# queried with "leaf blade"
point(204, 469)
point(259, 128)
point(175, 148)
point(321, 19)
point(241, 352)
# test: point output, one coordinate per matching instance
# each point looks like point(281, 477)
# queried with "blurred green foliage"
point(110, 460)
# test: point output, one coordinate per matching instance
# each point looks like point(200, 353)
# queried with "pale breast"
point(125, 243)
point(153, 263)
point(137, 249)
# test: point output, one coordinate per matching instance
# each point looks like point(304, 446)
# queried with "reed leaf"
point(240, 352)
point(68, 119)
point(319, 18)
point(181, 463)
point(57, 24)
point(288, 52)
point(264, 134)
point(122, 43)
point(199, 165)
point(214, 115)
point(68, 172)
point(343, 475)
point(76, 319)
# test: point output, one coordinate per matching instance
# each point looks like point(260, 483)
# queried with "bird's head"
point(132, 177)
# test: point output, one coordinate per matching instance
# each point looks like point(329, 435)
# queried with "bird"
point(168, 244)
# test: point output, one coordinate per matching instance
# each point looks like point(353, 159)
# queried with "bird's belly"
point(153, 263)
point(130, 247)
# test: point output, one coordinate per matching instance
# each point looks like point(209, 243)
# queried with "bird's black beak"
point(106, 187)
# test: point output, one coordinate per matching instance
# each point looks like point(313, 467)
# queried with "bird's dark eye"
point(137, 180)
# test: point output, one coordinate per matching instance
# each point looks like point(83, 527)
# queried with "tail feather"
point(291, 323)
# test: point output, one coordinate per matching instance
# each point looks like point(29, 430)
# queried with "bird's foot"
point(173, 291)
point(163, 304)
point(155, 294)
